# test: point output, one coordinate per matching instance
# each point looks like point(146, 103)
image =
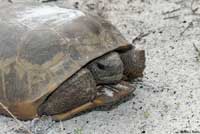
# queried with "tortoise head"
point(107, 69)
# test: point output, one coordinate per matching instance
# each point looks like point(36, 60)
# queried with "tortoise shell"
point(41, 46)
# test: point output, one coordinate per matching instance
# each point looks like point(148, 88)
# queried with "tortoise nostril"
point(101, 66)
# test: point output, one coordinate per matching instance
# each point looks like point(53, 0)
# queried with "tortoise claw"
point(114, 93)
point(109, 95)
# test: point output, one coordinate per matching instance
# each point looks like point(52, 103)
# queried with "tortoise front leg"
point(76, 91)
point(109, 95)
point(134, 62)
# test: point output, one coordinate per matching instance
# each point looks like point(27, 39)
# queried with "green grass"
point(78, 131)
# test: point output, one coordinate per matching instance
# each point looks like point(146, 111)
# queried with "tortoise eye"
point(101, 66)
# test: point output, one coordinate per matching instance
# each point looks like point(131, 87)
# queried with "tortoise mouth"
point(113, 79)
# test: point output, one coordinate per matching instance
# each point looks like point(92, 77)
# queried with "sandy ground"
point(167, 99)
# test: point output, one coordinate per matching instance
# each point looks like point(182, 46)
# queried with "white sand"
point(167, 100)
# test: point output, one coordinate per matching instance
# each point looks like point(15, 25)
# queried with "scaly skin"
point(134, 63)
point(79, 89)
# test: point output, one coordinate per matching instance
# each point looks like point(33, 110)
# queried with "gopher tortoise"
point(60, 62)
